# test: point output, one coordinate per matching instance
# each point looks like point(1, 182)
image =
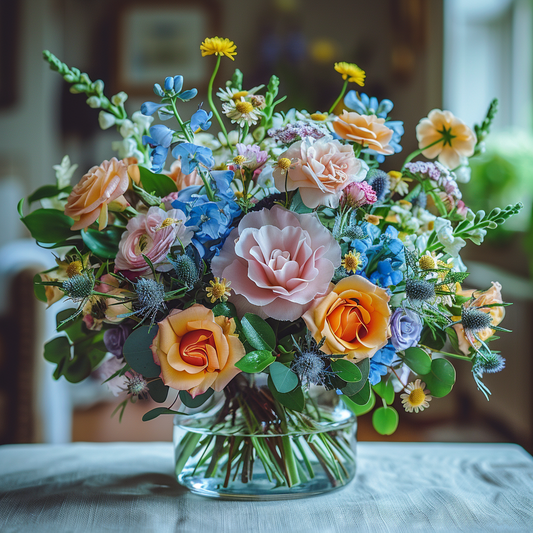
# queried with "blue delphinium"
point(379, 363)
point(192, 155)
point(364, 105)
point(160, 139)
point(212, 220)
point(201, 119)
point(384, 254)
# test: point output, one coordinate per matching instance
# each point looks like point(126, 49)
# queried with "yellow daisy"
point(417, 398)
point(351, 262)
point(219, 47)
point(351, 72)
point(219, 290)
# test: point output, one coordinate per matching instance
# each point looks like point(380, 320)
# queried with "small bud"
point(94, 102)
point(169, 84)
point(158, 91)
point(106, 120)
point(98, 86)
point(119, 98)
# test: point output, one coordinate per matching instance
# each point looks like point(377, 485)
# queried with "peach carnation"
point(197, 350)
point(321, 169)
point(102, 188)
point(353, 318)
point(367, 130)
point(278, 262)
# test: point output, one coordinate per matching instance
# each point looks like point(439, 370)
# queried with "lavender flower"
point(406, 328)
point(291, 132)
point(115, 338)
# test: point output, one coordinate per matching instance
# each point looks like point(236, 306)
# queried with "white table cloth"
point(399, 487)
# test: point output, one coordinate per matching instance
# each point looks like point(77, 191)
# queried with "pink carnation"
point(358, 194)
point(278, 262)
point(144, 235)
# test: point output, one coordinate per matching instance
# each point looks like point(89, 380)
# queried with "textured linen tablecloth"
point(399, 487)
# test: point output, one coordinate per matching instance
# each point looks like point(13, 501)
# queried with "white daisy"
point(241, 112)
point(417, 398)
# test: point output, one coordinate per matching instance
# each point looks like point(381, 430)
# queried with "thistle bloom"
point(451, 138)
point(351, 72)
point(219, 47)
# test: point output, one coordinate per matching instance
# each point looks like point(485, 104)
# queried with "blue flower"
point(192, 155)
point(149, 108)
point(201, 120)
point(379, 363)
point(159, 139)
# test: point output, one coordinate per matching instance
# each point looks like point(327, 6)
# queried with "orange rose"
point(101, 188)
point(481, 298)
point(183, 180)
point(367, 130)
point(53, 294)
point(197, 350)
point(353, 317)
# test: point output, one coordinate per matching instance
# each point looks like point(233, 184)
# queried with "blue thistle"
point(80, 286)
point(150, 299)
point(489, 363)
point(185, 269)
point(380, 182)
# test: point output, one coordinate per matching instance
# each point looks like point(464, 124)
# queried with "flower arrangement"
point(275, 248)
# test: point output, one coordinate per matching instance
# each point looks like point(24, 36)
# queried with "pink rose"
point(358, 194)
point(153, 235)
point(278, 262)
point(322, 169)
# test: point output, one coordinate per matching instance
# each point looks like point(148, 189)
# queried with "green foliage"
point(346, 370)
point(158, 184)
point(138, 354)
point(352, 389)
point(283, 379)
point(385, 420)
point(385, 389)
point(441, 379)
point(255, 361)
point(483, 129)
point(48, 225)
point(433, 338)
point(103, 244)
point(197, 401)
point(47, 191)
point(154, 413)
point(417, 360)
point(363, 396)
point(258, 333)
point(357, 409)
point(294, 399)
point(38, 289)
point(158, 390)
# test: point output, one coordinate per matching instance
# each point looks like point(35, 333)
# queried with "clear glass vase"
point(248, 446)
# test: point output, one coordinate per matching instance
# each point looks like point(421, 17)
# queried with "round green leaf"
point(354, 387)
point(104, 243)
point(138, 354)
point(57, 349)
point(283, 378)
point(385, 389)
point(385, 420)
point(158, 390)
point(158, 184)
point(360, 410)
point(255, 361)
point(417, 360)
point(363, 396)
point(197, 401)
point(293, 400)
point(346, 370)
point(441, 379)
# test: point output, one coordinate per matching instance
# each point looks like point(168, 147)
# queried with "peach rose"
point(101, 188)
point(354, 318)
point(367, 130)
point(323, 168)
point(481, 298)
point(183, 180)
point(458, 140)
point(197, 350)
point(53, 294)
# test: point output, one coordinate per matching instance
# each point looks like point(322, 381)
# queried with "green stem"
point(411, 156)
point(210, 100)
point(180, 122)
point(344, 87)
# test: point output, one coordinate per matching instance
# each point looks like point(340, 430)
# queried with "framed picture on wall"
point(159, 39)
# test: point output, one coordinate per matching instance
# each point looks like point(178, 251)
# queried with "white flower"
point(94, 102)
point(451, 244)
point(477, 235)
point(128, 128)
point(64, 172)
point(208, 140)
point(106, 120)
point(231, 94)
point(128, 148)
point(233, 137)
point(142, 121)
point(462, 174)
point(119, 98)
point(241, 112)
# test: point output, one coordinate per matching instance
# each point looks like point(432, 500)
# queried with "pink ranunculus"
point(255, 157)
point(278, 262)
point(323, 168)
point(146, 234)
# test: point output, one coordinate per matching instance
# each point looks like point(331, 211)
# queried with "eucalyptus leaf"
point(103, 243)
point(38, 289)
point(154, 413)
point(197, 401)
point(57, 349)
point(283, 378)
point(158, 184)
point(294, 399)
point(441, 379)
point(417, 360)
point(353, 388)
point(385, 389)
point(347, 370)
point(363, 396)
point(385, 420)
point(357, 409)
point(138, 354)
point(158, 390)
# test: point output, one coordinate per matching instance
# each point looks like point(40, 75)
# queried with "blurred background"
point(421, 54)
